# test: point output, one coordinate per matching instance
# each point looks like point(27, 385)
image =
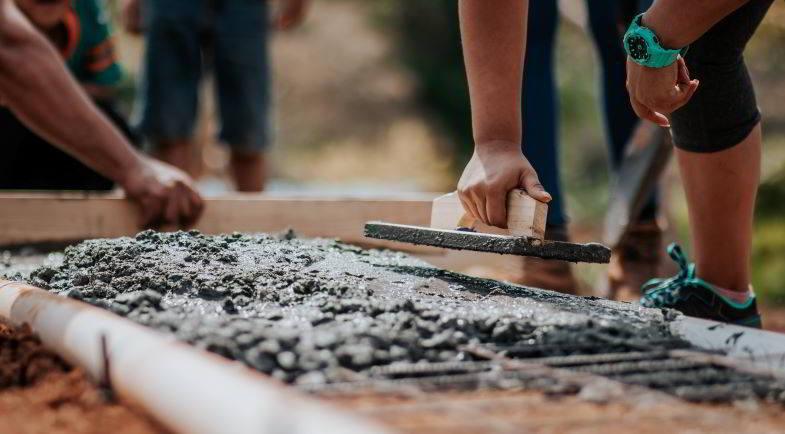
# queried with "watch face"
point(637, 47)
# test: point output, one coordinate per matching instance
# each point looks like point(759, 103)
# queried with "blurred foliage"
point(768, 258)
point(771, 197)
point(427, 38)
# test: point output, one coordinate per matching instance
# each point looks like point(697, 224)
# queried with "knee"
point(723, 111)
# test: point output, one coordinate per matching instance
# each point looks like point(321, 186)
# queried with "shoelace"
point(666, 292)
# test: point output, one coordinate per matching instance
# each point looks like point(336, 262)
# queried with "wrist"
point(644, 46)
point(657, 22)
point(130, 172)
point(496, 145)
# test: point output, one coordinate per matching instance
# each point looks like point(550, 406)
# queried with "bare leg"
point(721, 189)
point(177, 153)
point(249, 171)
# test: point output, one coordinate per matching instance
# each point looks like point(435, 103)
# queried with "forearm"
point(678, 23)
point(494, 42)
point(35, 85)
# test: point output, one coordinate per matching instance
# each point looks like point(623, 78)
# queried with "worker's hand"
point(291, 13)
point(166, 194)
point(496, 168)
point(132, 16)
point(655, 93)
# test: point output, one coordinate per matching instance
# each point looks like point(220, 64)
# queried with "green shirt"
point(89, 49)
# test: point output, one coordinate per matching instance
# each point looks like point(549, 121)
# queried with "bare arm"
point(494, 42)
point(35, 85)
point(39, 90)
point(678, 23)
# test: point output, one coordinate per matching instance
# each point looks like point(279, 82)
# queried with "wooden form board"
point(31, 218)
point(525, 216)
point(44, 218)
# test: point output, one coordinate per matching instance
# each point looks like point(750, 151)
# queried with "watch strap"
point(659, 57)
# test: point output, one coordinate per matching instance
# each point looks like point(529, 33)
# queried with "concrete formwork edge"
point(186, 389)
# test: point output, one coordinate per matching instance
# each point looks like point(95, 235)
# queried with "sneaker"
point(695, 297)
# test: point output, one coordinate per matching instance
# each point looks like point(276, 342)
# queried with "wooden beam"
point(28, 218)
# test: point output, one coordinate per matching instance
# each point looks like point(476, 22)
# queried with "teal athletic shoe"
point(695, 297)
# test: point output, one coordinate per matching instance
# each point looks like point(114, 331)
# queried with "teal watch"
point(643, 46)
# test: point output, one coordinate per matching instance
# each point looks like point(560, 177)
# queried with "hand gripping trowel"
point(452, 228)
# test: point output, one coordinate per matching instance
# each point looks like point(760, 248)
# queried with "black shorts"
point(32, 163)
point(723, 110)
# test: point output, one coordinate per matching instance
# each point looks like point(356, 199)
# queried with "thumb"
point(687, 93)
point(684, 72)
point(531, 183)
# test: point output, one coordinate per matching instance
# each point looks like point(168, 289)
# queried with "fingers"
point(479, 202)
point(191, 206)
point(686, 86)
point(489, 206)
point(197, 206)
point(152, 209)
point(531, 183)
point(468, 205)
point(644, 112)
point(684, 72)
point(496, 209)
point(171, 213)
point(687, 91)
point(655, 93)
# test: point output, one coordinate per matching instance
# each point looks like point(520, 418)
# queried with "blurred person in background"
point(36, 86)
point(81, 33)
point(638, 260)
point(184, 40)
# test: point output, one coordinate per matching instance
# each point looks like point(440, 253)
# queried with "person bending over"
point(714, 121)
point(80, 31)
point(37, 88)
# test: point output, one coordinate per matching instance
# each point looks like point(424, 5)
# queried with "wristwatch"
point(643, 46)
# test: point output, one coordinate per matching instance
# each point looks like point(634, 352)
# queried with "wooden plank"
point(525, 216)
point(27, 218)
point(44, 217)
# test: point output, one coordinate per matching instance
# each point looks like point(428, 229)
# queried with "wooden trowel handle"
point(526, 216)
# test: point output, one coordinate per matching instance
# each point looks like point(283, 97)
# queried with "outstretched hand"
point(655, 93)
point(165, 194)
point(494, 170)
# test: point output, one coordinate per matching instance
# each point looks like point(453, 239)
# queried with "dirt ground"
point(534, 412)
point(41, 393)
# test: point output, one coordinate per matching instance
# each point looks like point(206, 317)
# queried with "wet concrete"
point(318, 310)
point(315, 311)
point(478, 242)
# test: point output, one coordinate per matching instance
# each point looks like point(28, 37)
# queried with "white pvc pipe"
point(186, 389)
point(761, 348)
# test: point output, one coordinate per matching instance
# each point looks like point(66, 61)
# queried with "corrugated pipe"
point(186, 389)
